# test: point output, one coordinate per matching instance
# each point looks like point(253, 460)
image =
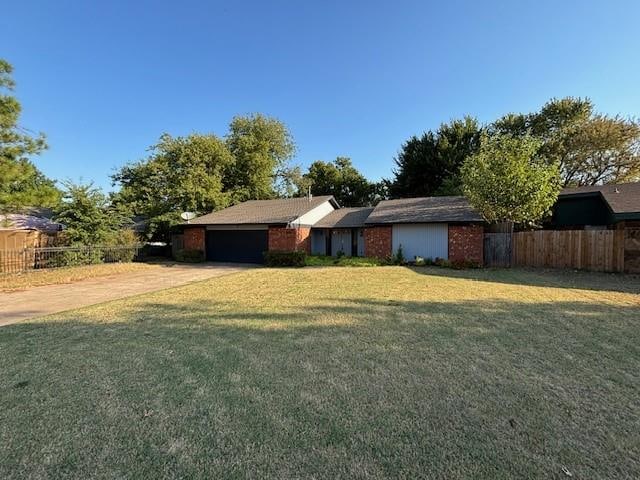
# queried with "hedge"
point(285, 259)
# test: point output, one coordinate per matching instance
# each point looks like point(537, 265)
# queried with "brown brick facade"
point(194, 238)
point(466, 243)
point(377, 242)
point(289, 239)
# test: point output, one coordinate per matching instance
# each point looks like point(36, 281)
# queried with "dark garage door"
point(243, 246)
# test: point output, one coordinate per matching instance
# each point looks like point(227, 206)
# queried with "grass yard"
point(332, 373)
point(36, 278)
point(326, 261)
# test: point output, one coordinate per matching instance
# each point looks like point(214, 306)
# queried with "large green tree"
point(508, 181)
point(181, 174)
point(340, 179)
point(430, 164)
point(590, 148)
point(261, 147)
point(21, 183)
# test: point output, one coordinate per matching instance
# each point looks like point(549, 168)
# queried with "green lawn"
point(332, 373)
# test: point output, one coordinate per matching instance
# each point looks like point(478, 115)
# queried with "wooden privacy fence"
point(596, 250)
point(497, 249)
point(18, 239)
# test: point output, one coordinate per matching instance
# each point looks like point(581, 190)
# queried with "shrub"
point(441, 262)
point(285, 259)
point(398, 258)
point(326, 261)
point(75, 258)
point(120, 254)
point(190, 256)
point(463, 264)
point(419, 261)
point(124, 241)
point(122, 237)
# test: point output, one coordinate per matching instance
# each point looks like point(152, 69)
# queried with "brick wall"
point(303, 239)
point(194, 238)
point(289, 239)
point(466, 242)
point(377, 242)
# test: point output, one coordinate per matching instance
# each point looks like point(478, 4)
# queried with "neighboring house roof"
point(345, 218)
point(43, 212)
point(424, 210)
point(19, 221)
point(622, 199)
point(257, 212)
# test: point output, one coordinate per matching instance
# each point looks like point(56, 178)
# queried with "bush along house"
point(447, 228)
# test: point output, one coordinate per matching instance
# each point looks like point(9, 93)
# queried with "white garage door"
point(430, 240)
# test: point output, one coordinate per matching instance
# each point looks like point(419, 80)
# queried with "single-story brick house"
point(243, 232)
point(430, 227)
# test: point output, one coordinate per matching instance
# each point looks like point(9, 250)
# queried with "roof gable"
point(260, 212)
point(623, 198)
point(345, 218)
point(18, 221)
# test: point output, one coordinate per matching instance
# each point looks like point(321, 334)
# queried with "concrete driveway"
point(45, 300)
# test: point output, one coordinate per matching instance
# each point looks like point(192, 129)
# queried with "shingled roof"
point(258, 212)
point(621, 198)
point(424, 210)
point(345, 218)
point(18, 221)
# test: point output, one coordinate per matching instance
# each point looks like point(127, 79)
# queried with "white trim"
point(314, 215)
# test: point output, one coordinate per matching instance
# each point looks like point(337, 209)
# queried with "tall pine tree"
point(21, 183)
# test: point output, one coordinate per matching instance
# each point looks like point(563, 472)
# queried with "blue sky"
point(103, 80)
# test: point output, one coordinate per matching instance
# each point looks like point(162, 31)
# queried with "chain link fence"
point(25, 259)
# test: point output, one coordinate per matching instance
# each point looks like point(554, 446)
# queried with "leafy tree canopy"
point(340, 179)
point(21, 183)
point(202, 173)
point(181, 174)
point(261, 147)
point(590, 148)
point(88, 216)
point(507, 180)
point(430, 164)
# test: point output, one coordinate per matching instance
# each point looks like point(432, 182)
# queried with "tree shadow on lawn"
point(394, 388)
point(555, 278)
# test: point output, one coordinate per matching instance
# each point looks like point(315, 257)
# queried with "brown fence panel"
point(596, 250)
point(497, 249)
point(631, 255)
